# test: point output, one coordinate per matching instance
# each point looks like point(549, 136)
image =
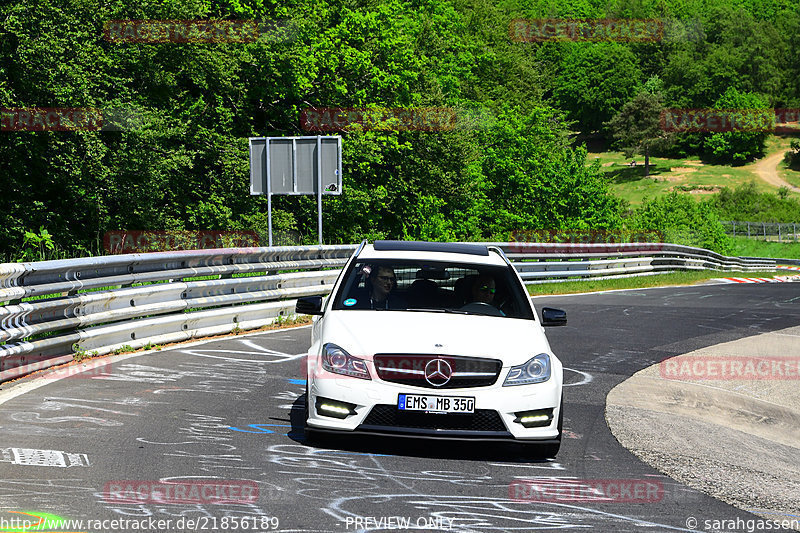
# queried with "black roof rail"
point(424, 246)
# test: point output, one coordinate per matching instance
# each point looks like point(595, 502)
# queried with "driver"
point(483, 291)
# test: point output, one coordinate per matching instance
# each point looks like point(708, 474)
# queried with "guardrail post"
point(748, 229)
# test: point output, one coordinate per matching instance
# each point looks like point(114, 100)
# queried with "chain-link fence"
point(769, 231)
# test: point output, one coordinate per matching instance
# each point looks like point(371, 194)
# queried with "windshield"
point(427, 286)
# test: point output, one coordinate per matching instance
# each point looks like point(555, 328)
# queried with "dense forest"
point(515, 158)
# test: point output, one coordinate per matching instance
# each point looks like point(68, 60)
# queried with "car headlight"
point(338, 361)
point(536, 370)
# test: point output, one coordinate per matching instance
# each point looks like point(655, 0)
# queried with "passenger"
point(380, 284)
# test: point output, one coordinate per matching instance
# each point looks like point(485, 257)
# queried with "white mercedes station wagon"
point(432, 340)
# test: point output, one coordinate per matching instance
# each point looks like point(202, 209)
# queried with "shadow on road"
point(411, 447)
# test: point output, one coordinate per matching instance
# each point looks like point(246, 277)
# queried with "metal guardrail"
point(777, 261)
point(548, 262)
point(51, 309)
point(102, 304)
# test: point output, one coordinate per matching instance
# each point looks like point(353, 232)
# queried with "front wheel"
point(311, 438)
point(551, 450)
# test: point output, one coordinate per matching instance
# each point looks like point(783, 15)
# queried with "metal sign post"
point(296, 165)
point(319, 189)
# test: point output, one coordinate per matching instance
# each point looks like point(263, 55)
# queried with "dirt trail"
point(767, 170)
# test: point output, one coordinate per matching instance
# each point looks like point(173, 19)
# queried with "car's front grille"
point(410, 369)
point(390, 417)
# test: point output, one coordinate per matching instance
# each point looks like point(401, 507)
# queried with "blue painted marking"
point(355, 453)
point(401, 402)
point(297, 381)
point(260, 428)
point(350, 302)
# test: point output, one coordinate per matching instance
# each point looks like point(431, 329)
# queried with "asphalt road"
point(227, 413)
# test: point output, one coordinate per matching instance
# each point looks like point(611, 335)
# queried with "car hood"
point(365, 333)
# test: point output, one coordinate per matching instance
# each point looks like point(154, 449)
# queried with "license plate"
point(436, 404)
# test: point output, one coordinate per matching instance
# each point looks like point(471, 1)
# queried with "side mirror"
point(553, 317)
point(309, 305)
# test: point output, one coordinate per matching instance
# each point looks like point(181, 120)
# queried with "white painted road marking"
point(33, 457)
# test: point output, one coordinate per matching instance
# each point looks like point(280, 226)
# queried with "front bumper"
point(375, 411)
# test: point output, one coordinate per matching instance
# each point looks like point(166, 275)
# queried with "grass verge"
point(751, 247)
point(640, 282)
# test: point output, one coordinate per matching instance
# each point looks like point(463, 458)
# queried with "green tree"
point(792, 157)
point(637, 127)
point(595, 81)
point(750, 120)
point(534, 180)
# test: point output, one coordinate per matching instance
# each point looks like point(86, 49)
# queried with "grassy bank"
point(661, 280)
point(749, 247)
point(686, 175)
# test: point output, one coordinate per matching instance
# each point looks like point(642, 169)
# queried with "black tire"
point(310, 436)
point(551, 450)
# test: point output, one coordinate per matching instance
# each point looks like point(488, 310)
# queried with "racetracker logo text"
point(381, 119)
point(51, 119)
point(137, 241)
point(626, 30)
point(586, 490)
point(181, 31)
point(694, 368)
point(175, 491)
point(729, 120)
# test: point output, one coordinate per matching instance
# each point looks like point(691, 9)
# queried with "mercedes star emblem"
point(438, 372)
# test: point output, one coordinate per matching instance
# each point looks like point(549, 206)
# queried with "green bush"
point(746, 203)
point(738, 147)
point(682, 221)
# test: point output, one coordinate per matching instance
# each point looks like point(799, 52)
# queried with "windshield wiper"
point(436, 310)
